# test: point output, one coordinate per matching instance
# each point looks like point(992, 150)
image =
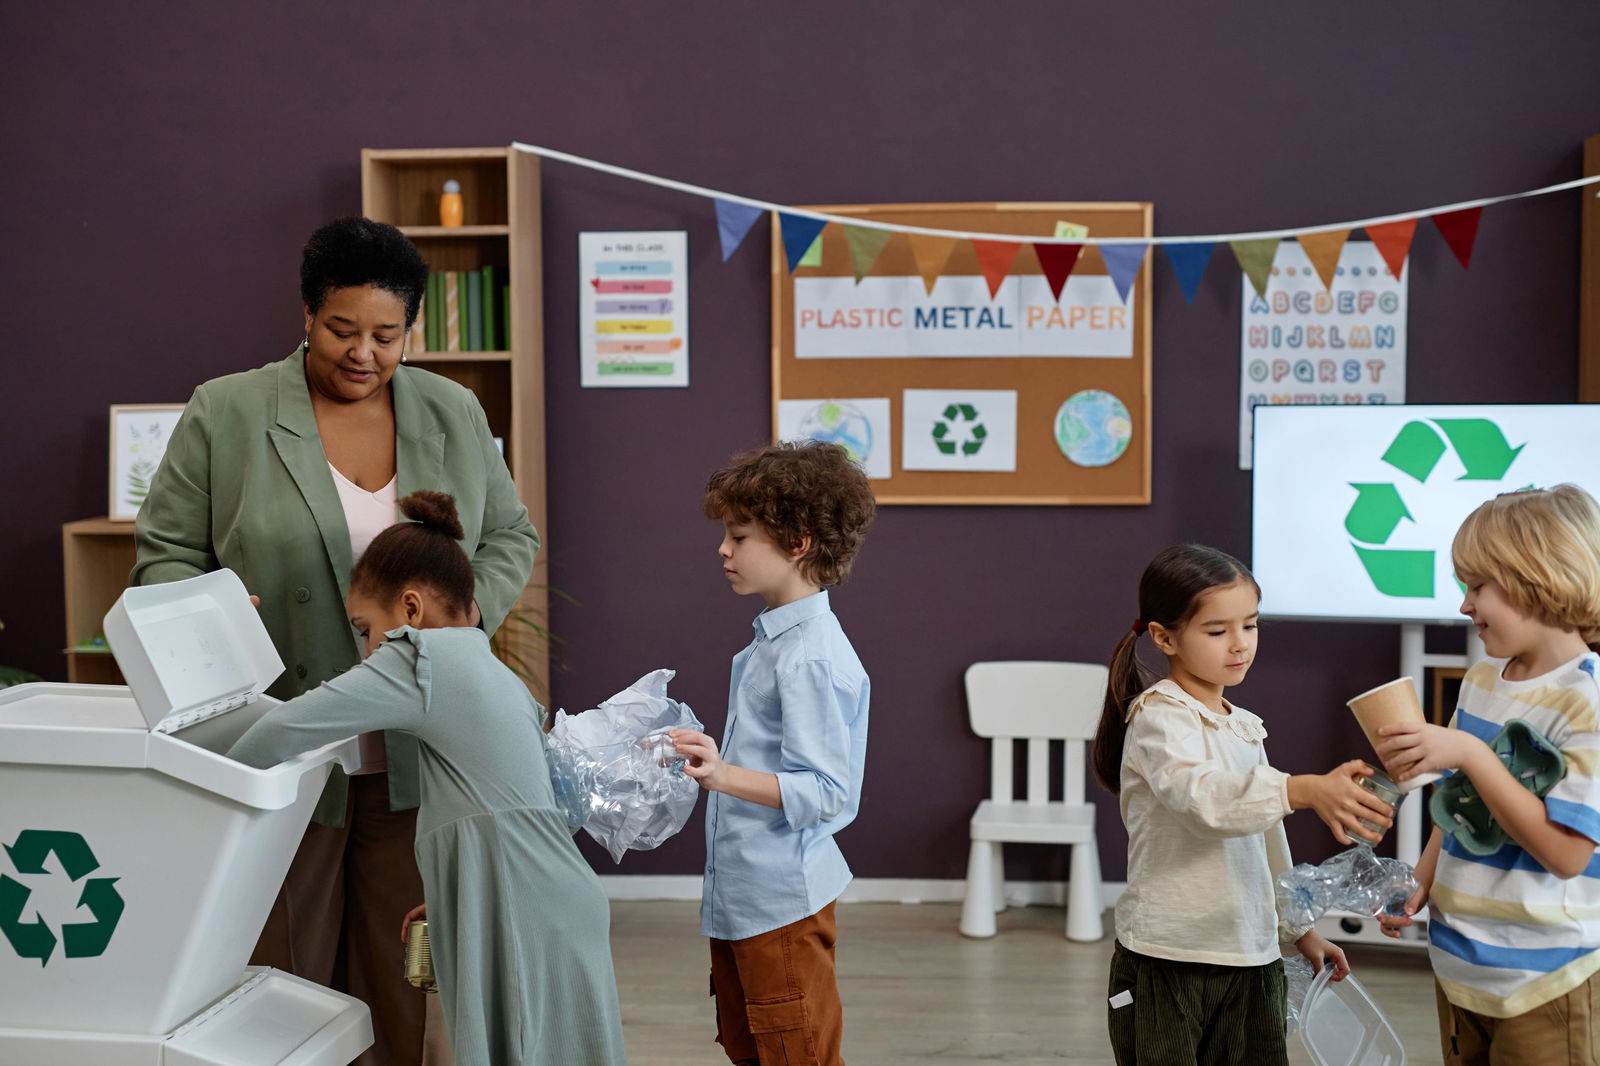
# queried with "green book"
point(505, 313)
point(435, 320)
point(474, 291)
point(491, 315)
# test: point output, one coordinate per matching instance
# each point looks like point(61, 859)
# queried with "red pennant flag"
point(1393, 241)
point(1057, 261)
point(1460, 229)
point(995, 259)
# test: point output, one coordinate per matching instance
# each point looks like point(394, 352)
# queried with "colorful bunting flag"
point(733, 224)
point(1123, 262)
point(1255, 259)
point(798, 233)
point(1393, 241)
point(1057, 261)
point(1189, 262)
point(1323, 250)
point(1460, 229)
point(931, 253)
point(866, 244)
point(995, 259)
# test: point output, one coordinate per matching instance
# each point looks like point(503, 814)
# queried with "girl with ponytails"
point(1197, 973)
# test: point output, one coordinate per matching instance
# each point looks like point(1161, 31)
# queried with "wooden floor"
point(916, 991)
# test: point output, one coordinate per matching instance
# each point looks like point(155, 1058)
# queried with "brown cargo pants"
point(778, 996)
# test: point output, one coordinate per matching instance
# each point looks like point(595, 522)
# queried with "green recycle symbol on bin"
point(955, 415)
point(35, 939)
point(1378, 509)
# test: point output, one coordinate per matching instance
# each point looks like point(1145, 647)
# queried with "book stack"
point(465, 311)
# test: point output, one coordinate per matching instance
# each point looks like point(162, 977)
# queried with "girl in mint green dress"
point(518, 922)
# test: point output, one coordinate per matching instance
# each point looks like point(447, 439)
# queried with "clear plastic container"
point(1340, 1025)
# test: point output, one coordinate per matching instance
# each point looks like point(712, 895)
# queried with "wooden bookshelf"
point(502, 228)
point(97, 556)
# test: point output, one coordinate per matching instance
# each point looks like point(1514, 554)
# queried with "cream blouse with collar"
point(1204, 813)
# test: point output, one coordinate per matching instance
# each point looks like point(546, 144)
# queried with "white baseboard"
point(863, 890)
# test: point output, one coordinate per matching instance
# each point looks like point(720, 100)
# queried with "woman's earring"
point(402, 357)
point(305, 345)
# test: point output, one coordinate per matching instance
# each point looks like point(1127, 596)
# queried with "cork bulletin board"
point(1037, 369)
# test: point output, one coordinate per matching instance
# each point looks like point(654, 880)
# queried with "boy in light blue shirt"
point(787, 776)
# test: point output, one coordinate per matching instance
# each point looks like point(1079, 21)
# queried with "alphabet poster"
point(1306, 344)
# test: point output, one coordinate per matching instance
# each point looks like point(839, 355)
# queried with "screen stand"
point(1414, 663)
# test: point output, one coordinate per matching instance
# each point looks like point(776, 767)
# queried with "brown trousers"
point(778, 995)
point(1563, 1032)
point(336, 921)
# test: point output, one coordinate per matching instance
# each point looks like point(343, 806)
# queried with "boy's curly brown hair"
point(795, 490)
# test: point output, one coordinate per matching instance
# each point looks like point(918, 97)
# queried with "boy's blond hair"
point(1542, 546)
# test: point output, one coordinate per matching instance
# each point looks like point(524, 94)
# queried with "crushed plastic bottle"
point(1299, 973)
point(1355, 880)
point(615, 772)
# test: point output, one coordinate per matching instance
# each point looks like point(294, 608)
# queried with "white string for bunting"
point(1210, 238)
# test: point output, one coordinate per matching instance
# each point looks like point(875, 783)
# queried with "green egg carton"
point(1458, 810)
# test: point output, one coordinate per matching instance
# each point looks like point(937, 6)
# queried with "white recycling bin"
point(139, 863)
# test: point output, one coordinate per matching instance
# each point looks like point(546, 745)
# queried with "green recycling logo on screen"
point(35, 939)
point(1378, 509)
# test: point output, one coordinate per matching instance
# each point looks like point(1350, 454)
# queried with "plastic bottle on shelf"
point(452, 212)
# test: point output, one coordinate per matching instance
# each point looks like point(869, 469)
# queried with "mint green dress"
point(518, 922)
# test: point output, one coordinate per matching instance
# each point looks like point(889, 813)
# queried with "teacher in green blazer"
point(283, 474)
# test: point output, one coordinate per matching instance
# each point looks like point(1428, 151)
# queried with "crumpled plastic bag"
point(614, 769)
point(1354, 880)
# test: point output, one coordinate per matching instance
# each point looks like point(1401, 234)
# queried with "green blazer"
point(245, 485)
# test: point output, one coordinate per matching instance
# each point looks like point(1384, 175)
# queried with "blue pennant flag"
point(733, 224)
point(1189, 263)
point(798, 233)
point(1122, 263)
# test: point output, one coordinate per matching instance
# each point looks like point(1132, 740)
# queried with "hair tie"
point(1139, 626)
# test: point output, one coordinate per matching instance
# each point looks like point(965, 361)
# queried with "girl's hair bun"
point(433, 510)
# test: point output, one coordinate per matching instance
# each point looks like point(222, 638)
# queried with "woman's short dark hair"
point(358, 251)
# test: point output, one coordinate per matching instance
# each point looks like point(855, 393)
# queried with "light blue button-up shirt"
point(797, 708)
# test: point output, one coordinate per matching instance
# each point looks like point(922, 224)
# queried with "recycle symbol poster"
point(1355, 507)
point(959, 429)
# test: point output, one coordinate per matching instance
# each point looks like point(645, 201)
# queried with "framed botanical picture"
point(139, 434)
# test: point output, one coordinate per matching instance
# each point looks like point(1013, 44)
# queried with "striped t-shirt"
point(1506, 934)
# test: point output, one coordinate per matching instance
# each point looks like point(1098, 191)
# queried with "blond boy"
point(1515, 934)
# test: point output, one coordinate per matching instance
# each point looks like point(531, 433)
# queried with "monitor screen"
point(1354, 507)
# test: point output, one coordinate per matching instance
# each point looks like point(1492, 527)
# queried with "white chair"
point(1037, 702)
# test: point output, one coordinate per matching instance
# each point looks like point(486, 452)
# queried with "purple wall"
point(162, 173)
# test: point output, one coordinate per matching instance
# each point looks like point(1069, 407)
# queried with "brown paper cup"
point(1391, 704)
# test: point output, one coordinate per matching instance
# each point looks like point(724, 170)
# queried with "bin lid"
point(191, 649)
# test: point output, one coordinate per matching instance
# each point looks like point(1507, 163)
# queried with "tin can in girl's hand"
point(419, 957)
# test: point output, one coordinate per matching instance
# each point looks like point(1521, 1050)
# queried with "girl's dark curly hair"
point(423, 551)
point(795, 490)
point(358, 251)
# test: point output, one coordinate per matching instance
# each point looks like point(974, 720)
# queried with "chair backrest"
point(1037, 702)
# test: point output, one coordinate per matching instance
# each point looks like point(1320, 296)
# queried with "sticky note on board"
point(813, 256)
point(1071, 229)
